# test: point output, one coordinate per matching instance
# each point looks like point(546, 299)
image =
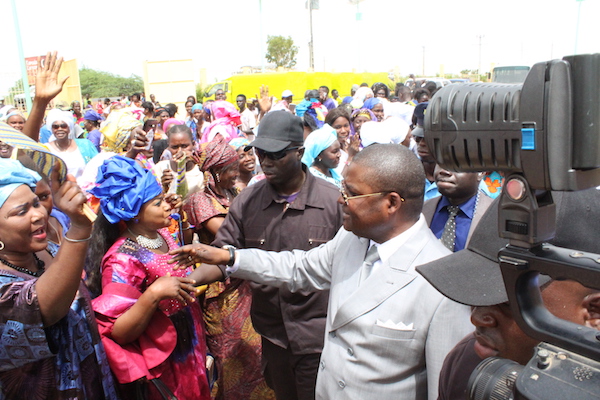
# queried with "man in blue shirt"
point(461, 190)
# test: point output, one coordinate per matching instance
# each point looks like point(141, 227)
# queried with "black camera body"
point(544, 135)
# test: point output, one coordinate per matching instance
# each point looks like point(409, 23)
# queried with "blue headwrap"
point(318, 141)
point(12, 175)
point(238, 142)
point(123, 188)
point(197, 106)
point(92, 115)
point(372, 102)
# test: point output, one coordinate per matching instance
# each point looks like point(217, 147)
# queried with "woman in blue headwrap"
point(322, 152)
point(50, 348)
point(150, 324)
point(375, 104)
point(196, 122)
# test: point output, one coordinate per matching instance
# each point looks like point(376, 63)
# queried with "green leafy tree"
point(281, 51)
point(104, 84)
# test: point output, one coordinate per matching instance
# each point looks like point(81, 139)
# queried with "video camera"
point(544, 135)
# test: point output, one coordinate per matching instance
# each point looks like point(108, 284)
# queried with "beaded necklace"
point(147, 242)
point(37, 274)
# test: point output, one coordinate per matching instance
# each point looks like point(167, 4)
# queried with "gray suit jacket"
point(482, 205)
point(363, 356)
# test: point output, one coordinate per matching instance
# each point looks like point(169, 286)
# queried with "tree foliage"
point(281, 51)
point(104, 84)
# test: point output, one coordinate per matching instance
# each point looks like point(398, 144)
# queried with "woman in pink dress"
point(150, 323)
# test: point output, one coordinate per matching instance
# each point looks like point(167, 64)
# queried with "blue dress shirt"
point(463, 220)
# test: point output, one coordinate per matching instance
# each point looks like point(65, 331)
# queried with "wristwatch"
point(232, 250)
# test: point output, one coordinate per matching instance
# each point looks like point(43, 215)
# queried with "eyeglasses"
point(358, 196)
point(59, 126)
point(277, 155)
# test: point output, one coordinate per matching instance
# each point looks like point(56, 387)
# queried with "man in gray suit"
point(387, 330)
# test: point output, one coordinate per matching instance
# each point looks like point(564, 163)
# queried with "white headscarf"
point(56, 115)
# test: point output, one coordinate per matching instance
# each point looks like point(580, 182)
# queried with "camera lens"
point(494, 379)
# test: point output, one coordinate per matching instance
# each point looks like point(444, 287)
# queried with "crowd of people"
point(263, 250)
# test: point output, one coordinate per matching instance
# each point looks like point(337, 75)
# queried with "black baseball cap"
point(277, 130)
point(472, 276)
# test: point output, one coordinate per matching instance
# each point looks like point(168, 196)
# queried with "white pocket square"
point(400, 326)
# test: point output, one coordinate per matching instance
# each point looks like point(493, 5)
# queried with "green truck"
point(297, 82)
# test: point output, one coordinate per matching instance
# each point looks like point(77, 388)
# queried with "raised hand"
point(166, 179)
point(265, 101)
point(47, 84)
point(70, 199)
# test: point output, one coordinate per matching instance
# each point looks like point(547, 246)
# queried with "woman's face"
point(378, 111)
point(88, 125)
point(44, 193)
point(188, 108)
point(17, 122)
point(342, 128)
point(358, 121)
point(330, 157)
point(24, 219)
point(380, 93)
point(180, 141)
point(155, 213)
point(5, 150)
point(60, 130)
point(77, 107)
point(198, 114)
point(247, 161)
point(164, 115)
point(228, 176)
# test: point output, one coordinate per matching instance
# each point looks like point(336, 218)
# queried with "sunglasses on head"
point(277, 155)
point(60, 126)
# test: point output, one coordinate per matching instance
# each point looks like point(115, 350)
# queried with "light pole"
point(311, 61)
point(576, 26)
point(24, 78)
point(479, 66)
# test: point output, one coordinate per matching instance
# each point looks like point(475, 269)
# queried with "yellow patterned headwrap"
point(117, 130)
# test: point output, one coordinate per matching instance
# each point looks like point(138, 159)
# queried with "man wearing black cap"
point(496, 332)
point(290, 209)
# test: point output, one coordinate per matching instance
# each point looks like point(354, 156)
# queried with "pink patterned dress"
point(173, 347)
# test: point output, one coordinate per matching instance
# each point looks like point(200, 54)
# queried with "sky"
point(423, 37)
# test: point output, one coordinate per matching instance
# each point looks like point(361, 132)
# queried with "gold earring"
point(1, 245)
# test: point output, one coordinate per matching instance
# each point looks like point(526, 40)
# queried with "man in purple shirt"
point(327, 101)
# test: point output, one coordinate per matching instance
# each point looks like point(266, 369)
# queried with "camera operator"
point(496, 333)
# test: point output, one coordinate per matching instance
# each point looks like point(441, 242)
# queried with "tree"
point(281, 51)
point(104, 84)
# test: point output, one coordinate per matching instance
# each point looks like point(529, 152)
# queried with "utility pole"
point(24, 78)
point(479, 66)
point(577, 25)
point(311, 43)
point(423, 71)
point(262, 39)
